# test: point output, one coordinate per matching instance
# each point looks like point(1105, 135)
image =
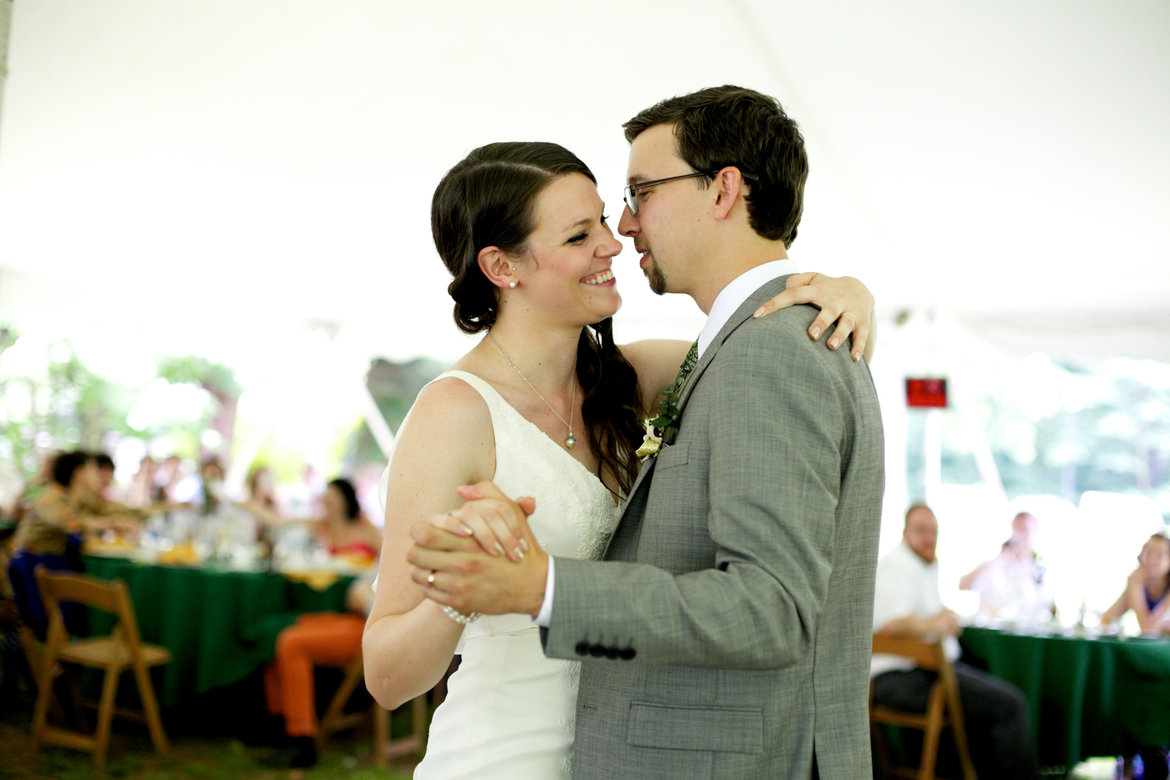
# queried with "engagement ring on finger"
point(431, 578)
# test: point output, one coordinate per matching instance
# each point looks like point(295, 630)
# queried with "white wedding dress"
point(509, 710)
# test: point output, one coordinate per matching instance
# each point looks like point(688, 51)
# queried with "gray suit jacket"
point(727, 632)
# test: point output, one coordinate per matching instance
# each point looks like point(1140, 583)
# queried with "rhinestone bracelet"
point(459, 617)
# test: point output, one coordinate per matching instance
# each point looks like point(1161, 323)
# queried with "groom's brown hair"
point(734, 126)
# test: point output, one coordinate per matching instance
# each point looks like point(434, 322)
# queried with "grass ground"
point(220, 737)
point(131, 758)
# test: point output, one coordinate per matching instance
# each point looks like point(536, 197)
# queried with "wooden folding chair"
point(943, 709)
point(337, 719)
point(122, 649)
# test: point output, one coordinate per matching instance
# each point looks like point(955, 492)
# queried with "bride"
point(545, 405)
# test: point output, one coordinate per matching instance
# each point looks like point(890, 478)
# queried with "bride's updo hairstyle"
point(488, 199)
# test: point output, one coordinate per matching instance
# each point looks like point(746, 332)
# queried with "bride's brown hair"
point(487, 199)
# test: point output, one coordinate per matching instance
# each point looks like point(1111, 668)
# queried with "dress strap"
point(495, 402)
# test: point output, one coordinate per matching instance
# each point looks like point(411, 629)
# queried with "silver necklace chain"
point(570, 440)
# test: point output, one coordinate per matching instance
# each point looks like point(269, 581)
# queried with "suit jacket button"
point(582, 648)
point(597, 650)
point(627, 653)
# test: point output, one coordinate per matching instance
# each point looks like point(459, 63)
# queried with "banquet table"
point(219, 623)
point(1089, 695)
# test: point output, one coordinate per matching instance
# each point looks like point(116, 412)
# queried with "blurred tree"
point(66, 407)
point(1106, 429)
point(217, 379)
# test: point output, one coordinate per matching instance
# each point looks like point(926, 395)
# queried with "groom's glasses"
point(630, 193)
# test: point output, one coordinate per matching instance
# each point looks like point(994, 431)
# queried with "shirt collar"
point(738, 290)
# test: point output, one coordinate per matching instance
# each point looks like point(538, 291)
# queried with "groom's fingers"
point(428, 536)
point(496, 524)
point(482, 489)
point(493, 529)
point(488, 489)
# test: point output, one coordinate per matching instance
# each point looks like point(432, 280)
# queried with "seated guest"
point(1146, 594)
point(1013, 585)
point(168, 479)
point(223, 522)
point(1146, 588)
point(907, 602)
point(106, 487)
point(344, 529)
point(261, 499)
point(61, 515)
point(210, 495)
point(325, 638)
point(71, 505)
point(142, 488)
point(113, 500)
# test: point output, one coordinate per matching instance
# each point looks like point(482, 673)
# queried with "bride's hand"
point(842, 300)
point(491, 518)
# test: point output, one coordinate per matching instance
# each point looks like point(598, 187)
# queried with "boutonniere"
point(662, 429)
point(651, 442)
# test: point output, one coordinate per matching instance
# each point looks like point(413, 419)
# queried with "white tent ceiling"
point(223, 174)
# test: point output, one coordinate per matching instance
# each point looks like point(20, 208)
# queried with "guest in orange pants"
point(319, 638)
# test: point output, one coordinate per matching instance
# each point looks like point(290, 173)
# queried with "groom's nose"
point(628, 224)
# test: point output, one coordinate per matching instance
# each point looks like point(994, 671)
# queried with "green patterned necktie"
point(684, 372)
point(666, 423)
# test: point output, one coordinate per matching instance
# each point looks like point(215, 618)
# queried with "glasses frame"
point(630, 193)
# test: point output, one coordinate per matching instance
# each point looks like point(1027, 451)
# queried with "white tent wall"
point(234, 176)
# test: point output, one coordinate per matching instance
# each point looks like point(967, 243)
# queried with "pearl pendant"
point(570, 440)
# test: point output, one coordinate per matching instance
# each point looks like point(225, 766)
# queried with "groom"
point(727, 632)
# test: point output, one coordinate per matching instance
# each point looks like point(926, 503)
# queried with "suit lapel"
point(742, 315)
point(629, 524)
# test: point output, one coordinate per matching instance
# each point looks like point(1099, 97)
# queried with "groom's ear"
point(726, 190)
point(497, 266)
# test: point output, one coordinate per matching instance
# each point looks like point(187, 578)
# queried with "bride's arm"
point(447, 441)
point(844, 301)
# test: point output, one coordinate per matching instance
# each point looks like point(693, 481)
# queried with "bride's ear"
point(497, 266)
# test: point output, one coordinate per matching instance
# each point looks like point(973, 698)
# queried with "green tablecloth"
point(1088, 696)
point(220, 625)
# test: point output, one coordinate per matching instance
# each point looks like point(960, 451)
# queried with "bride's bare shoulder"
point(447, 437)
point(448, 401)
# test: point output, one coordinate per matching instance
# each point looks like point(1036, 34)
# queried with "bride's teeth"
point(601, 279)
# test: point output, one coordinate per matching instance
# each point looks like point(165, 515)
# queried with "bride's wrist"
point(459, 617)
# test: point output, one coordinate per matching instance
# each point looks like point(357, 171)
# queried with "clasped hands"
point(481, 557)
